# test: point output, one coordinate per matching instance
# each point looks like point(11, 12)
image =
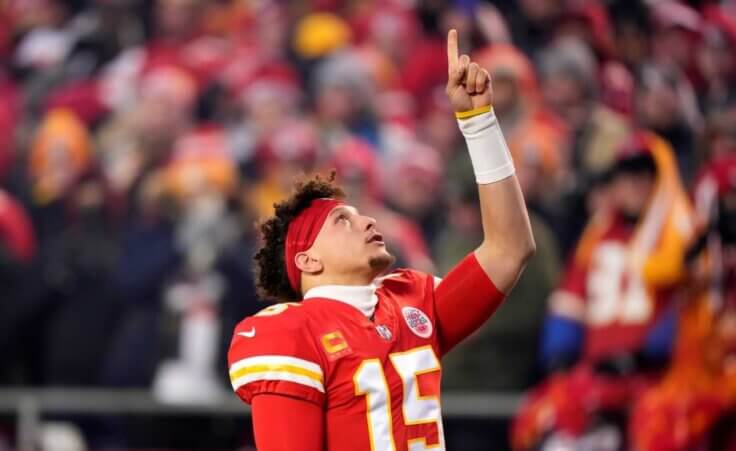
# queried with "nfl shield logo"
point(384, 332)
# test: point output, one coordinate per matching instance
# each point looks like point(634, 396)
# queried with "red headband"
point(303, 230)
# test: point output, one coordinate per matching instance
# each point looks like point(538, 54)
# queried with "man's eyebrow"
point(343, 209)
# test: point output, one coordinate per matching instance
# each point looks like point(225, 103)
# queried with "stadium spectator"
point(536, 137)
point(359, 170)
point(699, 389)
point(18, 250)
point(570, 90)
point(663, 100)
point(612, 317)
point(100, 96)
point(715, 62)
point(413, 186)
point(181, 261)
point(77, 245)
point(516, 325)
point(292, 148)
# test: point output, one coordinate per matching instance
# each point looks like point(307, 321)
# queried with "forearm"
point(508, 241)
point(507, 236)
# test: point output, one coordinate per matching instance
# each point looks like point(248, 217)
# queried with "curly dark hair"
point(272, 281)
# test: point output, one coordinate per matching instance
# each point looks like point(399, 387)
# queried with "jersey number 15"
point(370, 381)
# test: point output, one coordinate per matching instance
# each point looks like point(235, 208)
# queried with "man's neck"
point(358, 292)
point(337, 279)
point(362, 297)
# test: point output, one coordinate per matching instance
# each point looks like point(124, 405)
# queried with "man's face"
point(505, 93)
point(541, 11)
point(631, 192)
point(566, 97)
point(176, 17)
point(676, 43)
point(349, 243)
point(336, 104)
point(658, 107)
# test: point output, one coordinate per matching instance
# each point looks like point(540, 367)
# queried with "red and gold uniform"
point(621, 279)
point(680, 413)
point(376, 379)
point(610, 296)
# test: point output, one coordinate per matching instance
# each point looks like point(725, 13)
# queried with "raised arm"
point(472, 291)
point(507, 236)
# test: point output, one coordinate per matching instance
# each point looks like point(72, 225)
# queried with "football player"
point(350, 356)
point(697, 395)
point(612, 319)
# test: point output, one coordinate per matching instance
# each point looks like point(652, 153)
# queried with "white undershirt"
point(362, 297)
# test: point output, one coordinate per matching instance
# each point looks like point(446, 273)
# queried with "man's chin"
point(380, 263)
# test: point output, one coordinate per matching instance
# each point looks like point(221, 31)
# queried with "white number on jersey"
point(614, 293)
point(370, 381)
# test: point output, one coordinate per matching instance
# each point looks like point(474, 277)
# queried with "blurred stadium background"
point(140, 141)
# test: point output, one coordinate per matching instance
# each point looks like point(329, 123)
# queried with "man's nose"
point(370, 223)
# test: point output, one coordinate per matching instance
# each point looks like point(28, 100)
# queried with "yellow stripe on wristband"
point(473, 112)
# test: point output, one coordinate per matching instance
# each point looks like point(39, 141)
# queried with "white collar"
point(362, 297)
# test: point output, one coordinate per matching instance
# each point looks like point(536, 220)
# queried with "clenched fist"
point(468, 85)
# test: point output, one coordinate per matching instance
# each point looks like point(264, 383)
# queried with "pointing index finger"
point(452, 58)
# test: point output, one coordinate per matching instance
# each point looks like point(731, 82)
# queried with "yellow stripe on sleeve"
point(277, 368)
point(264, 368)
point(474, 112)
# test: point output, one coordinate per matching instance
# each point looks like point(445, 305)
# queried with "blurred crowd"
point(141, 142)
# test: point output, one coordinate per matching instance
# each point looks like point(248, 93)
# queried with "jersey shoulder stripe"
point(276, 368)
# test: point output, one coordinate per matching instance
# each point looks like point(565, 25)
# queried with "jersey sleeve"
point(285, 423)
point(464, 300)
point(276, 354)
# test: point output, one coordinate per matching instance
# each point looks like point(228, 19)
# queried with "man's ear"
point(308, 264)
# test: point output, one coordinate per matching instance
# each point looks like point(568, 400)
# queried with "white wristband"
point(488, 150)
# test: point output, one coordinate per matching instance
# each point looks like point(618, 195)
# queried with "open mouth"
point(375, 238)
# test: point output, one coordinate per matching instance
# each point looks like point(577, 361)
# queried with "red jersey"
point(607, 294)
point(377, 380)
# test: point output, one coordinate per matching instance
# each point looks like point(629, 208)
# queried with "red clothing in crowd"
point(604, 291)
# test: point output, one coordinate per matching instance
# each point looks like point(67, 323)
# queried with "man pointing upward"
point(349, 357)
